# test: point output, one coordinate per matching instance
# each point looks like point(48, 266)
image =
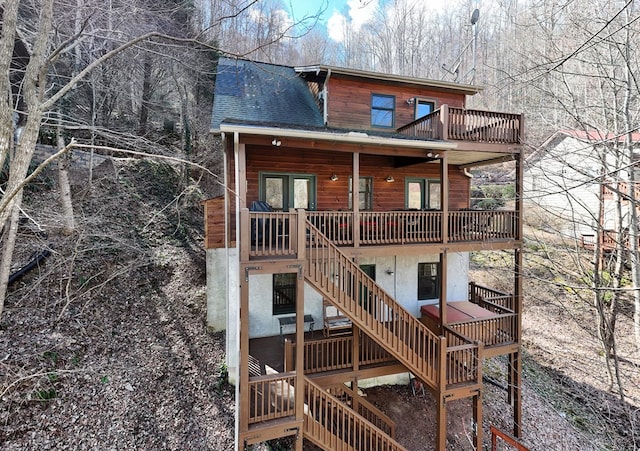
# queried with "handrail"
point(271, 397)
point(331, 424)
point(459, 124)
point(371, 309)
point(489, 298)
point(275, 234)
point(335, 353)
point(365, 409)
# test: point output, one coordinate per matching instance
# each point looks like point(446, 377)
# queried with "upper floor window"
point(365, 190)
point(382, 110)
point(424, 107)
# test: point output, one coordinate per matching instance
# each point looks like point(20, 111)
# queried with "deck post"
point(444, 198)
point(356, 347)
point(243, 367)
point(517, 394)
point(477, 420)
point(443, 292)
point(300, 234)
point(444, 124)
point(299, 377)
point(244, 235)
point(355, 203)
point(441, 423)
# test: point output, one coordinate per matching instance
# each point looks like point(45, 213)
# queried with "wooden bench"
point(334, 321)
point(291, 321)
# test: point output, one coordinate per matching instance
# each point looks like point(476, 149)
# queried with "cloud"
point(360, 13)
point(336, 26)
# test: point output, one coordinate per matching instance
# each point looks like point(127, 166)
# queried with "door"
point(285, 191)
point(423, 194)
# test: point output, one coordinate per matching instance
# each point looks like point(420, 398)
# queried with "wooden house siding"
point(350, 102)
point(334, 195)
point(214, 223)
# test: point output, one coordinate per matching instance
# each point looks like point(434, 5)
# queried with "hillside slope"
point(104, 346)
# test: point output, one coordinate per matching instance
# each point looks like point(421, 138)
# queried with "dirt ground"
point(105, 345)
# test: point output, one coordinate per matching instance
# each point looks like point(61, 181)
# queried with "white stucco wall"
point(223, 293)
point(223, 312)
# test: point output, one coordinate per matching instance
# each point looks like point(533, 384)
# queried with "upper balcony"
point(278, 234)
point(475, 126)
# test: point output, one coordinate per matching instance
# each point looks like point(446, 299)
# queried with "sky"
point(338, 14)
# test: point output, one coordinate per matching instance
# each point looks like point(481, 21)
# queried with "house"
point(339, 254)
point(572, 178)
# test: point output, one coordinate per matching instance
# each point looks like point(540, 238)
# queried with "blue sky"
point(341, 14)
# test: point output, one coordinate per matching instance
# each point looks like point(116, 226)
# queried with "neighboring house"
point(568, 175)
point(346, 222)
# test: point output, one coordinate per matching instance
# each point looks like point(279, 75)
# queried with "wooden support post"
point(444, 124)
point(477, 420)
point(517, 395)
point(299, 384)
point(441, 423)
point(355, 199)
point(443, 291)
point(356, 347)
point(444, 197)
point(243, 367)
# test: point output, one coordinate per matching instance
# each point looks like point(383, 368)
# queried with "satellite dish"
point(475, 16)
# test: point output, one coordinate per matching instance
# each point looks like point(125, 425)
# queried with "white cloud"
point(360, 13)
point(336, 26)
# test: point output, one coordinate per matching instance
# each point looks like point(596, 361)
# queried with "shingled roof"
point(263, 94)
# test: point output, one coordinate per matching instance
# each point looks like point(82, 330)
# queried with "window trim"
point(283, 309)
point(418, 100)
point(350, 194)
point(392, 110)
point(437, 278)
point(289, 195)
point(426, 191)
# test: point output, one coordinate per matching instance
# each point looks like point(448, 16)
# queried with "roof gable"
point(262, 93)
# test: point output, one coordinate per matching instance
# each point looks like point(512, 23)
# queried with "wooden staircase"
point(331, 424)
point(441, 362)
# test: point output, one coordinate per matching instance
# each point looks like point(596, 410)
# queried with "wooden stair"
point(377, 314)
point(331, 424)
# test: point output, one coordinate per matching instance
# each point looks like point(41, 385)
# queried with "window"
point(424, 107)
point(422, 194)
point(285, 191)
point(382, 110)
point(365, 190)
point(428, 281)
point(284, 293)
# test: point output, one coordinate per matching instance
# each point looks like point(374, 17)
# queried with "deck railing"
point(495, 331)
point(463, 363)
point(271, 397)
point(365, 409)
point(335, 353)
point(331, 424)
point(458, 124)
point(272, 234)
point(493, 300)
point(376, 313)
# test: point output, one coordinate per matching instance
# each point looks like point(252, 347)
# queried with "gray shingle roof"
point(262, 93)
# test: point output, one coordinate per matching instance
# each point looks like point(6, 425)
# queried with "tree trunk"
point(68, 219)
